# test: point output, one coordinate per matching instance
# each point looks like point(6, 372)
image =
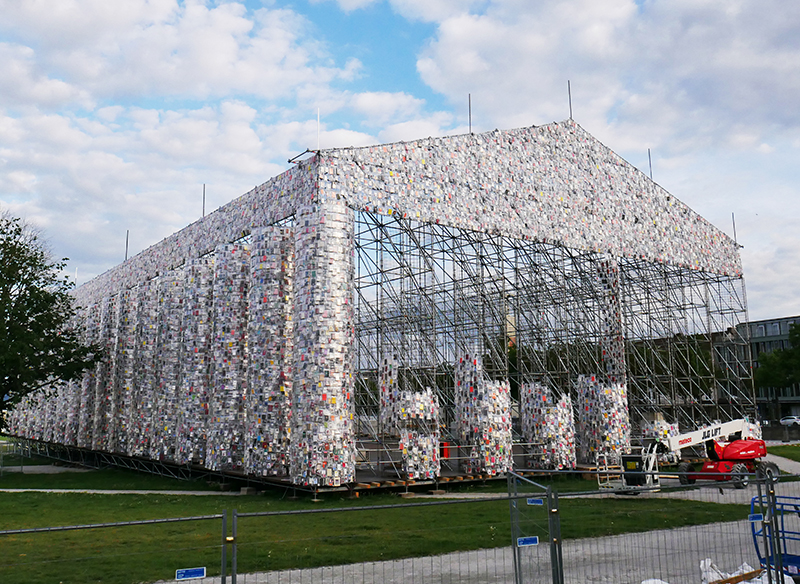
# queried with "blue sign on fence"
point(189, 573)
point(526, 541)
point(535, 501)
point(755, 517)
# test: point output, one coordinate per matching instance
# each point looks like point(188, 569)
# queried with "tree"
point(39, 344)
point(781, 368)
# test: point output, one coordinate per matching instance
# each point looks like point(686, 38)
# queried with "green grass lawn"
point(791, 451)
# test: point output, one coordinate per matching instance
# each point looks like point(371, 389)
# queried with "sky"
point(113, 115)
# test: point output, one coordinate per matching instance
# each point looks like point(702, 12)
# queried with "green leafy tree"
point(780, 368)
point(38, 343)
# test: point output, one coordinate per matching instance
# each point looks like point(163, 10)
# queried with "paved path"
point(714, 492)
point(54, 469)
point(44, 469)
point(785, 464)
point(730, 494)
point(127, 492)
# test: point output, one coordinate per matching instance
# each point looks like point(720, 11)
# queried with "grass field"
point(791, 451)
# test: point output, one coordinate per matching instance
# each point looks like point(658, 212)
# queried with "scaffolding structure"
point(538, 313)
point(414, 310)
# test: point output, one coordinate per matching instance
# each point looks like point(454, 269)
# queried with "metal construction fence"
point(707, 532)
point(7, 448)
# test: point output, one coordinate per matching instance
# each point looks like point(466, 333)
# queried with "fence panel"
point(384, 541)
point(672, 535)
point(685, 534)
point(535, 531)
point(485, 566)
point(126, 552)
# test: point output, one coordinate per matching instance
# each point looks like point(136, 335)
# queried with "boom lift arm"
point(735, 450)
point(713, 432)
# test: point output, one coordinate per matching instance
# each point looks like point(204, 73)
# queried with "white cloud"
point(343, 138)
point(73, 23)
point(135, 48)
point(19, 181)
point(291, 138)
point(421, 127)
point(771, 268)
point(350, 5)
point(381, 107)
point(516, 64)
point(21, 83)
point(110, 113)
point(423, 10)
point(667, 70)
point(434, 10)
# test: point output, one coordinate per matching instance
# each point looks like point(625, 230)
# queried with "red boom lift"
point(734, 450)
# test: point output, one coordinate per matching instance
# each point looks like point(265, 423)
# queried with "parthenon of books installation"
point(398, 308)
